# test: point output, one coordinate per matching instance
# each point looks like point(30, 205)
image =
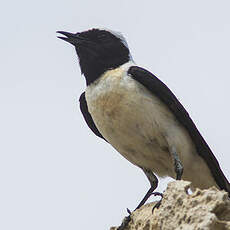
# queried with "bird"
point(135, 112)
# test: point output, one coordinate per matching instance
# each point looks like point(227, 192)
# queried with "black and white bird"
point(138, 114)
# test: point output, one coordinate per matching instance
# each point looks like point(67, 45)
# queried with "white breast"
point(140, 126)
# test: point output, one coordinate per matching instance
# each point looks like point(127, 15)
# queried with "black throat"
point(93, 69)
point(98, 51)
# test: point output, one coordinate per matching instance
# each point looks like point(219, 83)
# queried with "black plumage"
point(159, 89)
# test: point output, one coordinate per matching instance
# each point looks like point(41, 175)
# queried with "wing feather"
point(88, 118)
point(159, 89)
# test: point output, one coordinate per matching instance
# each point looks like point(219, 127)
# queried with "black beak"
point(69, 37)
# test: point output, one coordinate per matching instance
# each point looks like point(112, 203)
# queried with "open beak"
point(69, 37)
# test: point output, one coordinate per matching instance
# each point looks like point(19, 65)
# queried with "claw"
point(129, 212)
point(157, 194)
point(158, 204)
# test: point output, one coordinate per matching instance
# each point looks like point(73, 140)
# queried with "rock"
point(184, 208)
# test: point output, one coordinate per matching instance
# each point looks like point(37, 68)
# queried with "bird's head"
point(98, 50)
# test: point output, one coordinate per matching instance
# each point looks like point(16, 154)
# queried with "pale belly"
point(141, 128)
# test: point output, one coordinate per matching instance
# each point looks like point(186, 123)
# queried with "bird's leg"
point(178, 167)
point(153, 183)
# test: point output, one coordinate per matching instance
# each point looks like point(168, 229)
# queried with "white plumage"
point(139, 126)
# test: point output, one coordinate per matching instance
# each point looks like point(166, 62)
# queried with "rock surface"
point(184, 209)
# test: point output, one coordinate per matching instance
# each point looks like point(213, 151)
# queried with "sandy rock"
point(184, 209)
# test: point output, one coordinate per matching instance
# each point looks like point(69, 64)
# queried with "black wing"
point(87, 116)
point(158, 88)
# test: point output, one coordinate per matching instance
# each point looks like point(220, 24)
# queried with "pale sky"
point(54, 172)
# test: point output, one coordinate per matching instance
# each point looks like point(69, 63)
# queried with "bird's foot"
point(127, 219)
point(158, 204)
point(125, 222)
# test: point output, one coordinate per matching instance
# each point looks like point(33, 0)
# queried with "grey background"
point(54, 173)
